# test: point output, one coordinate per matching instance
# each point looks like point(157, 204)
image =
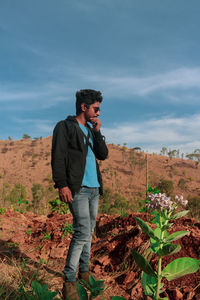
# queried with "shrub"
point(194, 206)
point(26, 136)
point(106, 201)
point(153, 178)
point(112, 203)
point(166, 186)
point(18, 193)
point(37, 193)
point(182, 184)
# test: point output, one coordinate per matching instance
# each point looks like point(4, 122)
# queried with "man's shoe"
point(85, 276)
point(70, 291)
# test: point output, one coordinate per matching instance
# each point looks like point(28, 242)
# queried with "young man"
point(75, 147)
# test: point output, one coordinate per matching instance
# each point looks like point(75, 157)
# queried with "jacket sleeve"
point(59, 155)
point(99, 145)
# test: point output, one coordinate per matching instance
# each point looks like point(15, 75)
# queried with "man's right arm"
point(59, 161)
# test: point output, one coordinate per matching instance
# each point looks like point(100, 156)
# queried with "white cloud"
point(29, 97)
point(177, 133)
point(180, 79)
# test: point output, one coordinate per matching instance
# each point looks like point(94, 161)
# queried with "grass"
point(18, 272)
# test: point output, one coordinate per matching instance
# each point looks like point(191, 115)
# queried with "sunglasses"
point(96, 109)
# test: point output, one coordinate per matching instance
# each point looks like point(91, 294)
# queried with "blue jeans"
point(84, 209)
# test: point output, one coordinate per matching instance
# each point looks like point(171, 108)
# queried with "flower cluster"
point(180, 200)
point(159, 201)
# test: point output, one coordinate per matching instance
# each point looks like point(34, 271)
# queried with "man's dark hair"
point(88, 97)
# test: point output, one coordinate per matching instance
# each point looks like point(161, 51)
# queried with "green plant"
point(37, 193)
point(95, 288)
point(163, 211)
point(18, 194)
point(123, 213)
point(29, 231)
point(38, 292)
point(46, 236)
point(13, 245)
point(68, 228)
point(2, 210)
point(59, 206)
point(22, 205)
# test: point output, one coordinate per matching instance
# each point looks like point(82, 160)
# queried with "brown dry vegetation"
point(28, 161)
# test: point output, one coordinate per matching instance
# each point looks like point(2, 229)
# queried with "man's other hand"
point(65, 194)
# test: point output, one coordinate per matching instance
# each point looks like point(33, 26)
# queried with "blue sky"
point(142, 54)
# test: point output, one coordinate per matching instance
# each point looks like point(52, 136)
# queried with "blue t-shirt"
point(90, 175)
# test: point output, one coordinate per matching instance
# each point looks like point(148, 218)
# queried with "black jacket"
point(68, 155)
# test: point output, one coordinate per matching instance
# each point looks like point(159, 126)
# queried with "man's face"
point(93, 111)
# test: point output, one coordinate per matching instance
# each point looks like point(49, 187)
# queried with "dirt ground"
point(40, 240)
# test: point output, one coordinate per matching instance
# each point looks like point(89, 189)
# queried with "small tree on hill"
point(163, 151)
point(37, 193)
point(26, 136)
point(166, 186)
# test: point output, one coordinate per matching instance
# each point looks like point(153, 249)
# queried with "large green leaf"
point(149, 284)
point(82, 292)
point(155, 244)
point(42, 292)
point(176, 235)
point(143, 264)
point(96, 283)
point(180, 214)
point(117, 298)
point(169, 249)
point(146, 228)
point(180, 267)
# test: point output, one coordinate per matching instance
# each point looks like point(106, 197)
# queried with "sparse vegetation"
point(113, 203)
point(182, 184)
point(166, 186)
point(57, 205)
point(38, 193)
point(68, 228)
point(194, 206)
point(26, 136)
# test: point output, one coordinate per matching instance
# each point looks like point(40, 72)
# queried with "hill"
point(26, 162)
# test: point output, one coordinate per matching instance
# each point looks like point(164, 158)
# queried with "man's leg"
point(93, 209)
point(80, 209)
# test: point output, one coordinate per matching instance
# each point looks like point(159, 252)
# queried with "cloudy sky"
point(142, 54)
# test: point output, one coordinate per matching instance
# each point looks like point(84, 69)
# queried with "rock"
point(129, 278)
point(191, 295)
point(58, 251)
point(97, 269)
point(105, 260)
point(177, 295)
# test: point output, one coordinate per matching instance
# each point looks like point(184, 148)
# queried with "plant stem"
point(159, 263)
point(159, 277)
